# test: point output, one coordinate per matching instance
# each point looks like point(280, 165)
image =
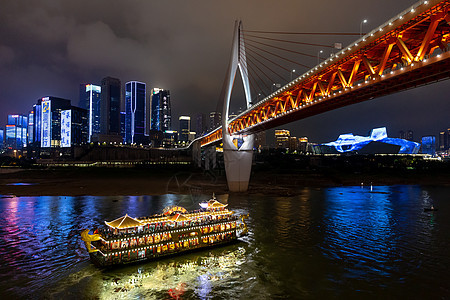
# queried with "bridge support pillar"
point(238, 163)
point(237, 149)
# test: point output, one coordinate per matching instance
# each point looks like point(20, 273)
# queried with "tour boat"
point(128, 240)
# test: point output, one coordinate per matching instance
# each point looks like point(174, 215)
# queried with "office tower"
point(135, 112)
point(161, 116)
point(30, 126)
point(110, 110)
point(428, 145)
point(282, 138)
point(201, 124)
point(185, 128)
point(16, 131)
point(293, 143)
point(122, 125)
point(303, 144)
point(215, 120)
point(50, 120)
point(90, 99)
point(2, 137)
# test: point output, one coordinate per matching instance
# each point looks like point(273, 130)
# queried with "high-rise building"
point(444, 140)
point(282, 138)
point(201, 124)
point(2, 137)
point(135, 108)
point(50, 120)
point(16, 131)
point(110, 110)
point(185, 128)
point(90, 99)
point(428, 145)
point(161, 116)
point(303, 144)
point(215, 120)
point(30, 130)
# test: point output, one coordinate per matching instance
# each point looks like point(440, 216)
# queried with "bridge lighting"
point(412, 10)
point(390, 23)
point(426, 2)
point(401, 17)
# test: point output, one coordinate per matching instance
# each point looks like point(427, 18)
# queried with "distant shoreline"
point(128, 182)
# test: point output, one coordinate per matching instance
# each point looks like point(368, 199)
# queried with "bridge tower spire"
point(238, 156)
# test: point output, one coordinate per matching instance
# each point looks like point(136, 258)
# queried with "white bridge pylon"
point(237, 149)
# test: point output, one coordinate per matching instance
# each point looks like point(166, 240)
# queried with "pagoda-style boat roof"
point(124, 222)
point(215, 204)
point(179, 218)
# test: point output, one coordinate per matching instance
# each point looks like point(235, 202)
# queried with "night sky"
point(47, 48)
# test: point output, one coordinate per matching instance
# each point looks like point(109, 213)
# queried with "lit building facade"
point(58, 124)
point(30, 130)
point(201, 124)
point(282, 138)
point(161, 112)
point(90, 99)
point(185, 128)
point(2, 137)
point(428, 145)
point(135, 98)
point(110, 109)
point(215, 120)
point(16, 132)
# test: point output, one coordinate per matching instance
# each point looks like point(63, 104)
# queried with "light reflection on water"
point(343, 242)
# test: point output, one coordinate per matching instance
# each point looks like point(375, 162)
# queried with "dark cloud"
point(50, 47)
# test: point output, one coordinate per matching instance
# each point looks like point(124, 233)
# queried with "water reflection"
point(192, 276)
point(368, 229)
point(348, 242)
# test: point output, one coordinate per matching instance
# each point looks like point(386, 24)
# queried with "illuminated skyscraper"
point(282, 138)
point(2, 137)
point(161, 118)
point(90, 99)
point(16, 131)
point(135, 97)
point(185, 128)
point(202, 124)
point(215, 120)
point(110, 109)
point(30, 138)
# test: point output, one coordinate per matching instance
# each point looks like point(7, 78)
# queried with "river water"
point(339, 242)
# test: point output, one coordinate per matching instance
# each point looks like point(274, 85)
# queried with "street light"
point(360, 26)
point(318, 57)
point(293, 71)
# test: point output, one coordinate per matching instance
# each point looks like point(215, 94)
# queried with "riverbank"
point(157, 181)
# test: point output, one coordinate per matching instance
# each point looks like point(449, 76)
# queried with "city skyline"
point(189, 57)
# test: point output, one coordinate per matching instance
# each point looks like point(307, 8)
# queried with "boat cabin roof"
point(124, 222)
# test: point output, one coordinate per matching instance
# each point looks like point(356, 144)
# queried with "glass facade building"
point(161, 116)
point(185, 128)
point(16, 132)
point(90, 99)
point(429, 145)
point(110, 106)
point(135, 108)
